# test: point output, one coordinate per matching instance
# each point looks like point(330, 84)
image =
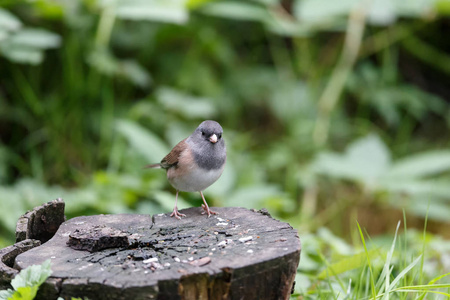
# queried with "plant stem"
point(105, 26)
point(335, 86)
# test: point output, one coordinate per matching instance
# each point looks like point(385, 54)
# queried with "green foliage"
point(418, 178)
point(390, 97)
point(24, 45)
point(27, 282)
point(374, 269)
point(366, 160)
point(328, 108)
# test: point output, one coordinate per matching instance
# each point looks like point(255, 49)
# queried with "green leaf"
point(170, 11)
point(414, 8)
point(379, 12)
point(34, 275)
point(3, 34)
point(35, 38)
point(236, 10)
point(365, 161)
point(135, 73)
point(192, 4)
point(6, 294)
point(27, 282)
point(436, 188)
point(26, 46)
point(286, 26)
point(382, 12)
point(21, 54)
point(8, 21)
point(346, 264)
point(443, 7)
point(105, 62)
point(186, 105)
point(25, 293)
point(437, 211)
point(420, 165)
point(143, 141)
point(290, 99)
point(315, 11)
point(434, 280)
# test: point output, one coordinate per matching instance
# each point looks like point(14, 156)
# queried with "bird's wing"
point(171, 159)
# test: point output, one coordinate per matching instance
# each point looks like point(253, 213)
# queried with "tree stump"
point(237, 254)
point(42, 222)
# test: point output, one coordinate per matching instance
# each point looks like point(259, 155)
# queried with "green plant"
point(27, 282)
point(24, 45)
point(408, 183)
point(376, 269)
point(327, 107)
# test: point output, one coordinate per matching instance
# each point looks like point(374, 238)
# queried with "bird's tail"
point(153, 166)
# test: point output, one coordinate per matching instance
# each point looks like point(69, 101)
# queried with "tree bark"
point(238, 254)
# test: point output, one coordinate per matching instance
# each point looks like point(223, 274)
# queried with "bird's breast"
point(195, 180)
point(188, 176)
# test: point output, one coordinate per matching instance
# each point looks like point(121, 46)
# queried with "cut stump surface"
point(238, 254)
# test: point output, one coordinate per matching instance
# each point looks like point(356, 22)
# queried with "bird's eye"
point(203, 133)
point(219, 135)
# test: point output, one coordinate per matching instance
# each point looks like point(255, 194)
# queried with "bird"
point(195, 163)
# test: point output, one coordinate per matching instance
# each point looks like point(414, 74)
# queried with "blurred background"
point(333, 111)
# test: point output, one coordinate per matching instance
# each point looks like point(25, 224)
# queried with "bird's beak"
point(213, 138)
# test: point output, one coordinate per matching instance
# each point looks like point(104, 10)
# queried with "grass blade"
point(402, 273)
point(372, 282)
point(387, 265)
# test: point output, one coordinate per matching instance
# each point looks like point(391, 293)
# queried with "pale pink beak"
point(213, 139)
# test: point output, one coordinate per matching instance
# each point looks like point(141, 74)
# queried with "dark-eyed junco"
point(196, 162)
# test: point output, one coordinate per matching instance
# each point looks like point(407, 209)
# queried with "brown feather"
point(171, 159)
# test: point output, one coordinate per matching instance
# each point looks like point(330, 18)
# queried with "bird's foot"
point(208, 211)
point(177, 214)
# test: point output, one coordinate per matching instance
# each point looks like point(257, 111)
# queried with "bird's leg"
point(206, 207)
point(175, 213)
